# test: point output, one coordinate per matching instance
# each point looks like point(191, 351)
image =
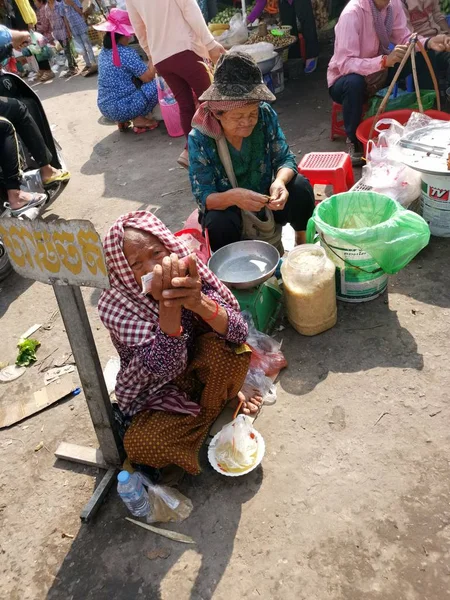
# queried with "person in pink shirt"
point(363, 62)
point(425, 18)
point(175, 37)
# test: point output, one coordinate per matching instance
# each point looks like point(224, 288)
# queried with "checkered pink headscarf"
point(205, 119)
point(128, 315)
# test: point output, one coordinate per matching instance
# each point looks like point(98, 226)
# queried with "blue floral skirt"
point(138, 104)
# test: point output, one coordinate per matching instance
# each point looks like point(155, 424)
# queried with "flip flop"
point(183, 161)
point(310, 65)
point(139, 130)
point(60, 176)
point(124, 126)
point(36, 201)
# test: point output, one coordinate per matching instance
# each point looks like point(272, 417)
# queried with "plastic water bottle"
point(133, 493)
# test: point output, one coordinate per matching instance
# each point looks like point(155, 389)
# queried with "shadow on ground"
point(11, 289)
point(61, 86)
point(366, 337)
point(426, 278)
point(109, 558)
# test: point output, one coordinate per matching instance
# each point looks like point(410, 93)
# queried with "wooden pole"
point(391, 87)
point(76, 322)
point(416, 80)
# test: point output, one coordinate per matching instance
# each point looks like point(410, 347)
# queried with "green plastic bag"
point(404, 101)
point(374, 223)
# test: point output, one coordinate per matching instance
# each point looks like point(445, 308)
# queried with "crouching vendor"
point(371, 39)
point(242, 172)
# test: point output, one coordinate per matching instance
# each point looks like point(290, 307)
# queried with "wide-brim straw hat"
point(237, 77)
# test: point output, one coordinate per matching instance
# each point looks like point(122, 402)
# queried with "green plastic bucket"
point(359, 278)
point(368, 236)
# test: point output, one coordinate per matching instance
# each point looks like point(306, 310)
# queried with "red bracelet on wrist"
point(216, 312)
point(177, 333)
point(384, 62)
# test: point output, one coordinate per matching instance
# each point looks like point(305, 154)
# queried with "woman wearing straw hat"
point(243, 174)
point(126, 88)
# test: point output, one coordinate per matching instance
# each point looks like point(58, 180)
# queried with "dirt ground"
point(346, 505)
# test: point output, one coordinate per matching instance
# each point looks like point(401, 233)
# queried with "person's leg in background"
point(288, 17)
point(45, 70)
point(89, 50)
point(71, 62)
point(298, 208)
point(305, 14)
point(15, 111)
point(11, 172)
point(82, 40)
point(224, 226)
point(350, 91)
point(443, 65)
point(185, 74)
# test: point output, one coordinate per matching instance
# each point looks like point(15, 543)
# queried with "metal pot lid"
point(437, 135)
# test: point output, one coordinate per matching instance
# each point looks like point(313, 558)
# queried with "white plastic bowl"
point(259, 455)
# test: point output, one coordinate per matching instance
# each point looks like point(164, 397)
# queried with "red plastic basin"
point(402, 116)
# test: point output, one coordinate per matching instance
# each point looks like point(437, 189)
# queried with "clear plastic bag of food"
point(237, 448)
point(256, 383)
point(237, 34)
point(167, 504)
point(266, 352)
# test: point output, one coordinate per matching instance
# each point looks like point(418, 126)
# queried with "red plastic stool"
point(337, 122)
point(328, 168)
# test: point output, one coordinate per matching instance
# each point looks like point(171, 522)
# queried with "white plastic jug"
point(309, 289)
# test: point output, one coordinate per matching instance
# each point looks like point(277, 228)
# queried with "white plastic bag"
point(110, 373)
point(387, 144)
point(236, 448)
point(384, 172)
point(237, 34)
point(393, 179)
point(260, 51)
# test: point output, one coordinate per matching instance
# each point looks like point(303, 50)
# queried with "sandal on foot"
point(60, 176)
point(144, 129)
point(310, 65)
point(183, 160)
point(124, 126)
point(36, 201)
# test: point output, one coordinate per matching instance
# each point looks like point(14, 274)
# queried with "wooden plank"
point(97, 497)
point(76, 322)
point(20, 408)
point(64, 252)
point(83, 455)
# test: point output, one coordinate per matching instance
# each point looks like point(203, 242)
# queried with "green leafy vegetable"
point(27, 352)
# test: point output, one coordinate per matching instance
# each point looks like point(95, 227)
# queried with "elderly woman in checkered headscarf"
point(182, 357)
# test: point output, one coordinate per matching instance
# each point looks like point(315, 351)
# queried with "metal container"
point(245, 264)
point(267, 65)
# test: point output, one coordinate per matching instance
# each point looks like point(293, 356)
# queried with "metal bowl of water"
point(244, 264)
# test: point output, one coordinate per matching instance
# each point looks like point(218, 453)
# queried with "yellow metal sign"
point(61, 252)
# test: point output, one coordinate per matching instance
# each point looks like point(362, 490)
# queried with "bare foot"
point(47, 172)
point(251, 405)
point(144, 122)
point(18, 198)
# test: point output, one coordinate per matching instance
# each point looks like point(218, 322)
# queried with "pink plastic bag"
point(196, 243)
point(266, 352)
